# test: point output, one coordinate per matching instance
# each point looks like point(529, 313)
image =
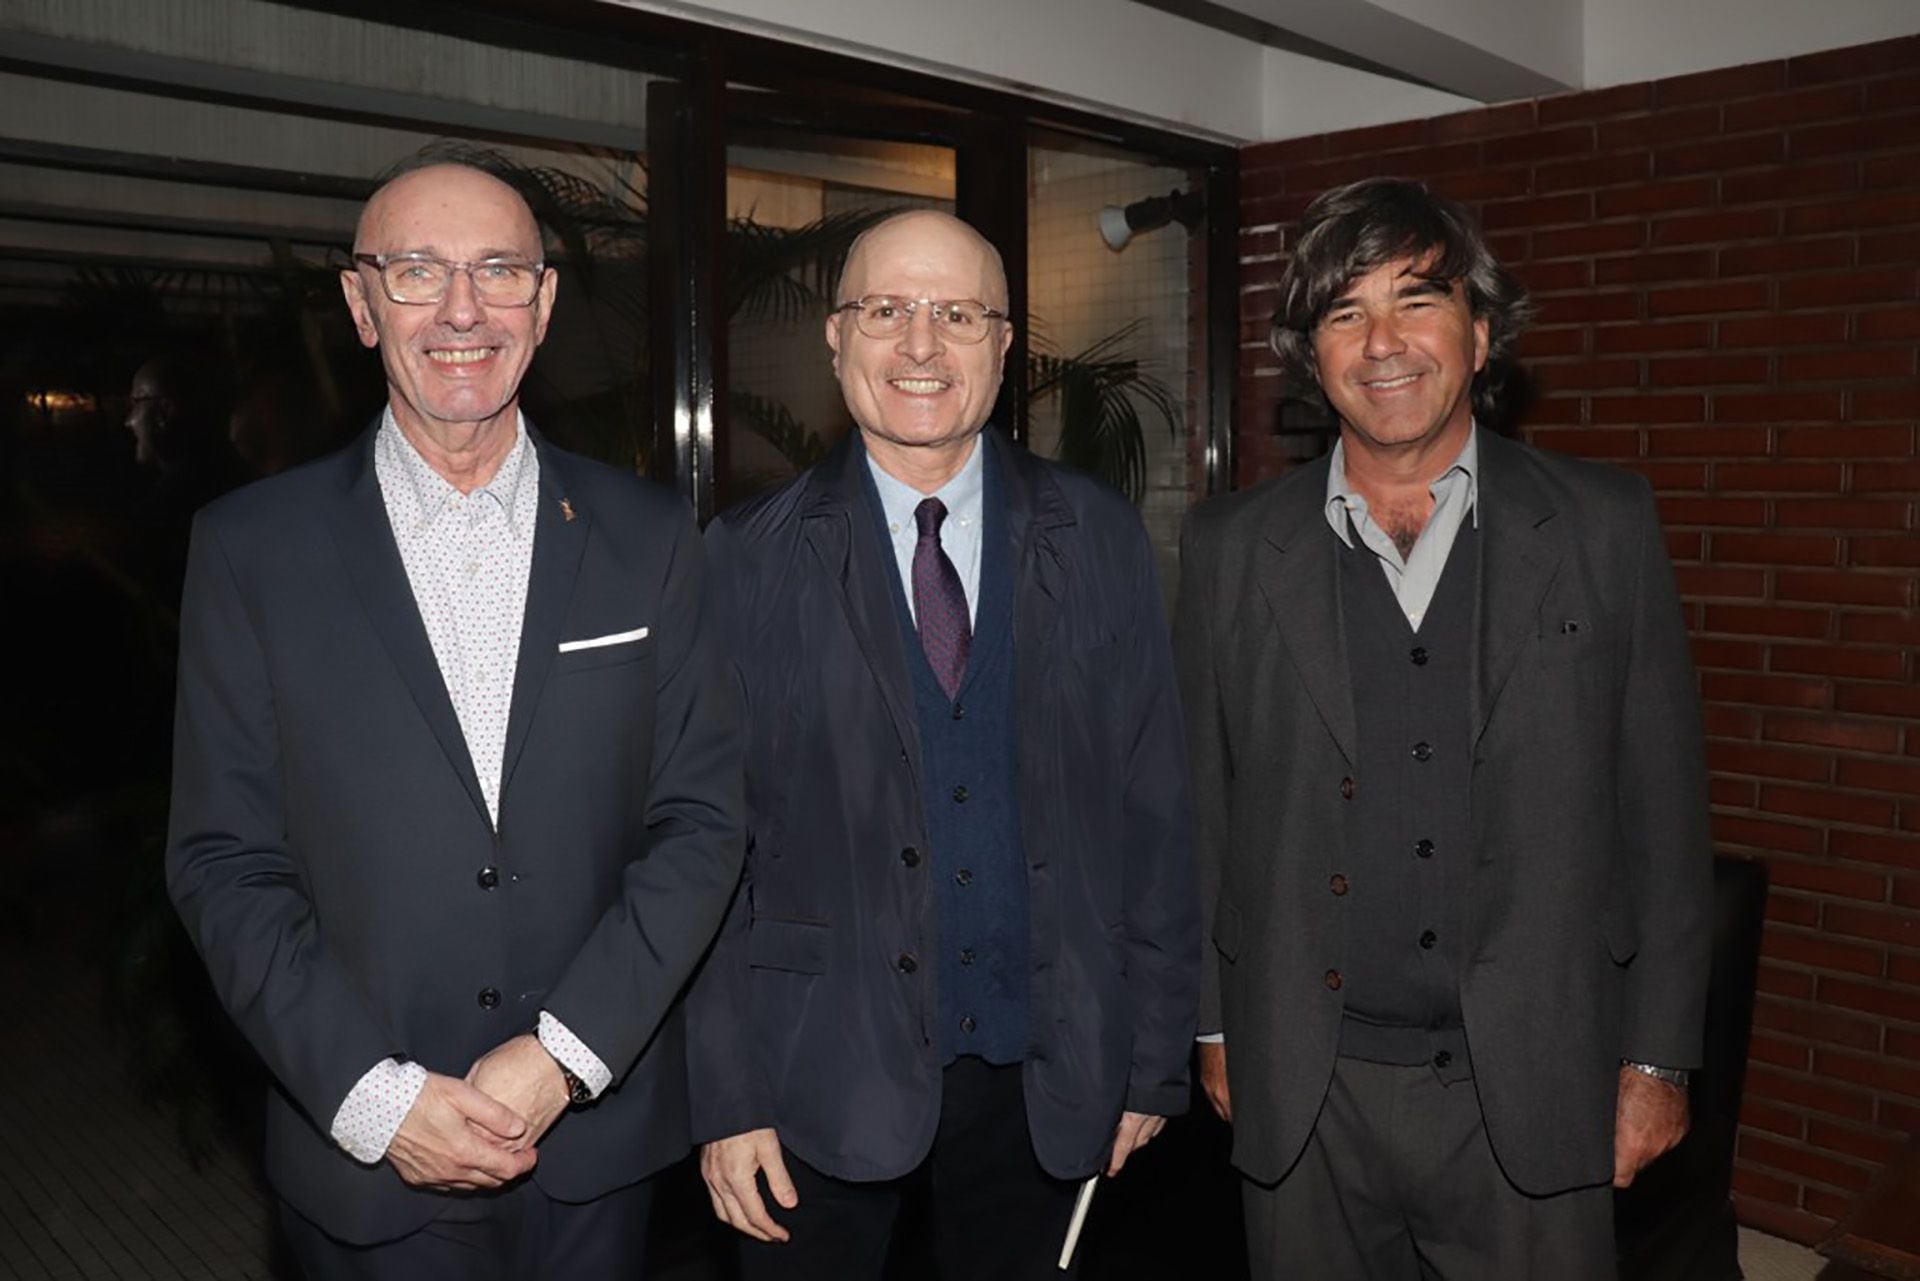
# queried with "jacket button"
point(489, 998)
point(906, 963)
point(1419, 656)
point(959, 795)
point(1423, 847)
point(1428, 938)
point(963, 878)
point(966, 956)
point(967, 1024)
point(1423, 751)
point(1338, 884)
point(1346, 789)
point(487, 877)
point(959, 712)
point(1333, 980)
point(910, 856)
point(1442, 1058)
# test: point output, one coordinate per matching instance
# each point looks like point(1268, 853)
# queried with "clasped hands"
point(481, 1132)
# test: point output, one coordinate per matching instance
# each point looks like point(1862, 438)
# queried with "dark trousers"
point(1398, 1183)
point(520, 1234)
point(995, 1214)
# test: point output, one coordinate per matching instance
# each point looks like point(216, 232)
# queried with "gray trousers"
point(1398, 1183)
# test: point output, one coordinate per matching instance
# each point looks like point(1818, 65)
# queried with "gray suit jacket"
point(1587, 903)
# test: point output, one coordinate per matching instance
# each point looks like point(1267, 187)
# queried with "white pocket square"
point(598, 642)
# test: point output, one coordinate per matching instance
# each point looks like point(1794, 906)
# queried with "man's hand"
point(1213, 1077)
point(728, 1166)
point(1651, 1117)
point(1135, 1131)
point(522, 1075)
point(457, 1139)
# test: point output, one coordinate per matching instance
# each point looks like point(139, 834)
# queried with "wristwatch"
point(577, 1092)
point(1676, 1077)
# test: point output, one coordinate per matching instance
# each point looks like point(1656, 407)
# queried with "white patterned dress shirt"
point(468, 558)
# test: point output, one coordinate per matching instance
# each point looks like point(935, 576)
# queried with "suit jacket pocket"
point(1226, 931)
point(799, 947)
point(1570, 643)
point(1619, 929)
point(584, 660)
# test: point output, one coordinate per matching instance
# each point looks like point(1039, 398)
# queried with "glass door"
point(803, 179)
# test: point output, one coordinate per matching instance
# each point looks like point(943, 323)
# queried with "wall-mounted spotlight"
point(1118, 226)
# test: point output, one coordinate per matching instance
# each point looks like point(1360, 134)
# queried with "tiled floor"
point(93, 1183)
point(1765, 1258)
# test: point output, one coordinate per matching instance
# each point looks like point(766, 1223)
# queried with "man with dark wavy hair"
point(1452, 802)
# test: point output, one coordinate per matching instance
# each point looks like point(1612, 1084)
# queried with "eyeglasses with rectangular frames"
point(961, 320)
point(419, 279)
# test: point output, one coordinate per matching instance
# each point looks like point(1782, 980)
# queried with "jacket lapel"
point(1297, 568)
point(364, 537)
point(1037, 515)
point(1519, 556)
point(858, 566)
point(559, 539)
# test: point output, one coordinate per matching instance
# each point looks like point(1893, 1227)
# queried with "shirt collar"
point(962, 495)
point(1344, 501)
point(431, 492)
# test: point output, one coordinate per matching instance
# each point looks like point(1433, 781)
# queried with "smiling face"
point(919, 394)
point(1396, 356)
point(453, 367)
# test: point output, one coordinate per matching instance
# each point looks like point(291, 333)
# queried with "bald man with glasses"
point(964, 959)
point(456, 797)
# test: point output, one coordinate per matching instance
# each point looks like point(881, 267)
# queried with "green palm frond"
point(789, 273)
point(1101, 391)
point(776, 424)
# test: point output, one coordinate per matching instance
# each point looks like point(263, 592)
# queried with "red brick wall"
point(1728, 267)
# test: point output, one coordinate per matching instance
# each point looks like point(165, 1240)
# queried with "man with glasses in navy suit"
point(964, 958)
point(456, 788)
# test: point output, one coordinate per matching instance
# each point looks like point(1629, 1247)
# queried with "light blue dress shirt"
point(965, 499)
point(1456, 495)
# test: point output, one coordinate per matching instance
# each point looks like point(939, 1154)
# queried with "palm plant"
point(1101, 391)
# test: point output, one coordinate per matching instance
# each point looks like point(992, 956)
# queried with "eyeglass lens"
point(959, 320)
point(501, 282)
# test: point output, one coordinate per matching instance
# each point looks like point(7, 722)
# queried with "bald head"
point(454, 363)
point(922, 391)
point(436, 195)
point(916, 237)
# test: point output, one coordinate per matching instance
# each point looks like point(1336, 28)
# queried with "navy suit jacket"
point(806, 1018)
point(328, 829)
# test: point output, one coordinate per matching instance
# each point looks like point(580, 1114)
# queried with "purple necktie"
point(939, 602)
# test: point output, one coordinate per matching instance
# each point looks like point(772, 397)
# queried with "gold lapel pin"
point(566, 510)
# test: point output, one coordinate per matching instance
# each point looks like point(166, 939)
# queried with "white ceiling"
point(1247, 70)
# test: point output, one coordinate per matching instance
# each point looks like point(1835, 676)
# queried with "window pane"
point(1118, 371)
point(795, 201)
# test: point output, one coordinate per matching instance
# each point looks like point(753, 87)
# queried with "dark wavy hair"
point(1351, 230)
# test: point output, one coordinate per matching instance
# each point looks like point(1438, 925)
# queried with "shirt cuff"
point(573, 1054)
point(1212, 1038)
point(374, 1108)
